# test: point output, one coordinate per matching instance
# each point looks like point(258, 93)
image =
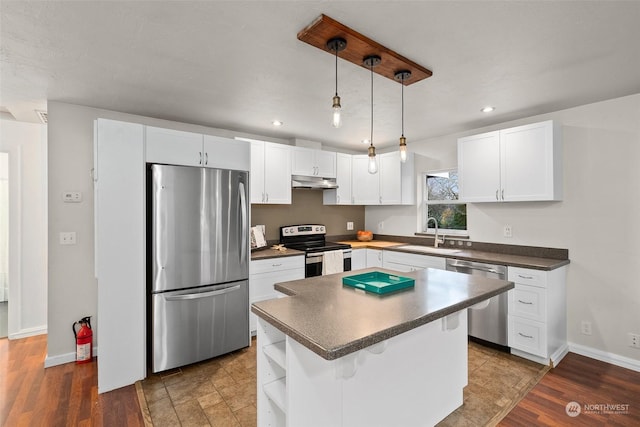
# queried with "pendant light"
point(372, 61)
point(336, 45)
point(401, 76)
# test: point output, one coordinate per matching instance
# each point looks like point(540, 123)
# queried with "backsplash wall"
point(306, 208)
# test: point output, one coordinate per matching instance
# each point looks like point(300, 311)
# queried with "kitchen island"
point(330, 355)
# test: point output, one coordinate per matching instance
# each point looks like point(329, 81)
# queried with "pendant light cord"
point(402, 83)
point(371, 68)
point(336, 49)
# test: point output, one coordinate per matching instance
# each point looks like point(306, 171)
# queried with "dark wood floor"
point(589, 383)
point(67, 395)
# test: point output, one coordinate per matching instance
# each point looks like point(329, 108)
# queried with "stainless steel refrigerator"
point(198, 263)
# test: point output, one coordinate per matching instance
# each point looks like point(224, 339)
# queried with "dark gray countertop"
point(512, 260)
point(272, 253)
point(333, 321)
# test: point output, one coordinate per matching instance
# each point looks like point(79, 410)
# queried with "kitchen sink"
point(429, 249)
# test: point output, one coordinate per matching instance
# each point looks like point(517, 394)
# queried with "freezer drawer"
point(196, 324)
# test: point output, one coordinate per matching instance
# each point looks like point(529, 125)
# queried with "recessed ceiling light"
point(277, 123)
point(488, 109)
point(365, 141)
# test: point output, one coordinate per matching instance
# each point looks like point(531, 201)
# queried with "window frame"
point(426, 202)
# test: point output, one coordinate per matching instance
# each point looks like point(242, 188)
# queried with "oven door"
point(313, 263)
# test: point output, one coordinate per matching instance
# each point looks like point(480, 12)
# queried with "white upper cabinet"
point(310, 162)
point(393, 184)
point(225, 153)
point(270, 173)
point(523, 163)
point(365, 186)
point(341, 195)
point(174, 147)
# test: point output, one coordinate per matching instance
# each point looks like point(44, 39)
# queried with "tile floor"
point(217, 392)
point(222, 391)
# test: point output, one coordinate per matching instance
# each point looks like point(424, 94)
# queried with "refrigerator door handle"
point(243, 215)
point(202, 294)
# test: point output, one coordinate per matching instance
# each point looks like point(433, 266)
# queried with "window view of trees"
point(441, 201)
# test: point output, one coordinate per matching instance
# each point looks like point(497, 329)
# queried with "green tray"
point(378, 282)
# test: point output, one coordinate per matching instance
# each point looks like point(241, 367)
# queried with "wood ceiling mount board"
point(323, 29)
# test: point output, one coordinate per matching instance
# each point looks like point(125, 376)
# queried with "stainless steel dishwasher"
point(489, 323)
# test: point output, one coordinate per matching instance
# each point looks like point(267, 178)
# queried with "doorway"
point(4, 244)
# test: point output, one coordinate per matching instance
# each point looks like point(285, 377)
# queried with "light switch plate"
point(350, 225)
point(68, 238)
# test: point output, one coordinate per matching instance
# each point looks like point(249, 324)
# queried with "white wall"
point(597, 220)
point(72, 285)
point(26, 145)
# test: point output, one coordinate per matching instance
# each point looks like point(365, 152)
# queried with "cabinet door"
point(225, 153)
point(479, 167)
point(365, 186)
point(261, 286)
point(358, 259)
point(374, 258)
point(277, 173)
point(173, 147)
point(341, 195)
point(325, 163)
point(303, 161)
point(527, 162)
point(120, 252)
point(257, 172)
point(390, 178)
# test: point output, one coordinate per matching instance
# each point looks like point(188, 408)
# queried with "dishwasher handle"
point(470, 267)
point(200, 295)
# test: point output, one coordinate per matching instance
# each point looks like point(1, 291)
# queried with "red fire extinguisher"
point(84, 340)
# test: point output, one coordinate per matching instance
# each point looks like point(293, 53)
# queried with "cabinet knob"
point(497, 198)
point(200, 161)
point(503, 194)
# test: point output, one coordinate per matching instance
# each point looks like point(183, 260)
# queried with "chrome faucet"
point(436, 241)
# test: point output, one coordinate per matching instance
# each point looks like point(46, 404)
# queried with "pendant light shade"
point(372, 61)
point(401, 76)
point(336, 45)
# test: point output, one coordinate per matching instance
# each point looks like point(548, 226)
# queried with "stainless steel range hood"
point(313, 182)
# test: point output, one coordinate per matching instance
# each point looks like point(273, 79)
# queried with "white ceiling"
point(238, 64)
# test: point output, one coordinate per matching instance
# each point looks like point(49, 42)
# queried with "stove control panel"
point(303, 230)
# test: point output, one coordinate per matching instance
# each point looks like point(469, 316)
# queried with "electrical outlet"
point(633, 340)
point(585, 327)
point(508, 232)
point(350, 225)
point(68, 238)
point(381, 226)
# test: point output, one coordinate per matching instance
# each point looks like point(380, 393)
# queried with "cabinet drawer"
point(528, 335)
point(529, 302)
point(415, 260)
point(526, 276)
point(276, 264)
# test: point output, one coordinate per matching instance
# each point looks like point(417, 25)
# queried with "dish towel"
point(332, 262)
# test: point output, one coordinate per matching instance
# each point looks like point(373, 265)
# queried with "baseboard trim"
point(603, 356)
point(558, 355)
point(29, 332)
point(61, 359)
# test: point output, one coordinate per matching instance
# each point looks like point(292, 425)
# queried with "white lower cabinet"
point(374, 257)
point(267, 272)
point(403, 261)
point(358, 259)
point(537, 314)
point(398, 382)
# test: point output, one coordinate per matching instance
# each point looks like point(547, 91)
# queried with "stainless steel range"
point(310, 238)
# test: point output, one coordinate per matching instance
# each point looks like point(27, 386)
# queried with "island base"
point(412, 379)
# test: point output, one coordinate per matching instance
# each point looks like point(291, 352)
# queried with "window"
point(441, 202)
